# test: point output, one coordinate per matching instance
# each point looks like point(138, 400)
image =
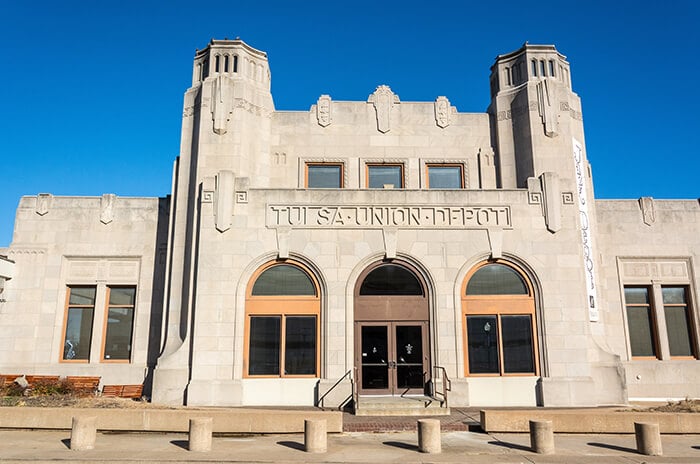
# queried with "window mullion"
point(657, 311)
point(283, 344)
point(501, 354)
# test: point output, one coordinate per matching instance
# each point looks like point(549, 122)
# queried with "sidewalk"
point(23, 446)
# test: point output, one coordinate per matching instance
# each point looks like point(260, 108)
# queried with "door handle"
point(392, 364)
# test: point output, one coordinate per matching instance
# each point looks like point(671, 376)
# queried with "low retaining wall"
point(588, 421)
point(169, 420)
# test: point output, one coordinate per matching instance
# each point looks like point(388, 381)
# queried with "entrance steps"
point(417, 405)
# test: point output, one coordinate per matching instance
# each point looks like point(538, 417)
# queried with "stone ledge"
point(170, 420)
point(588, 420)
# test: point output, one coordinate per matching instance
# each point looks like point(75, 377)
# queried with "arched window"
point(498, 316)
point(390, 279)
point(283, 308)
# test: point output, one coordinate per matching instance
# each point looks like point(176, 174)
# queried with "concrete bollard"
point(200, 434)
point(83, 433)
point(542, 436)
point(648, 438)
point(315, 437)
point(429, 440)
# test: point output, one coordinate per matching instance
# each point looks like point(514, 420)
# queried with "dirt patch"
point(69, 401)
point(686, 405)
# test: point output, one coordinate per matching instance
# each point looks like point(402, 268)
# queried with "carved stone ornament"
point(383, 99)
point(443, 111)
point(648, 212)
point(221, 106)
point(323, 111)
point(43, 203)
point(548, 107)
point(107, 207)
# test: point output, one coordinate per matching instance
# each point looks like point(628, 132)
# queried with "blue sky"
point(93, 90)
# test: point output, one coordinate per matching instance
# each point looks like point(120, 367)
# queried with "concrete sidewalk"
point(22, 446)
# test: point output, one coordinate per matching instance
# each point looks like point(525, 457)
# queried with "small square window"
point(445, 176)
point(323, 175)
point(385, 176)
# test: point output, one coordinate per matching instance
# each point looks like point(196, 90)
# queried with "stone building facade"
point(361, 249)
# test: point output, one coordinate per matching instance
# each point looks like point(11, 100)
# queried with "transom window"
point(385, 176)
point(390, 279)
point(324, 175)
point(282, 322)
point(499, 321)
point(445, 176)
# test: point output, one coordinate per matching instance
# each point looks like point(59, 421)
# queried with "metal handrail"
point(319, 403)
point(355, 392)
point(446, 385)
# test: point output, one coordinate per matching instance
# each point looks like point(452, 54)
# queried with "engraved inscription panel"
point(366, 216)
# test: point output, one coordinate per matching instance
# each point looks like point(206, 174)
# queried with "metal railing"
point(320, 403)
point(441, 394)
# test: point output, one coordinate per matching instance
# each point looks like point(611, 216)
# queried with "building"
point(363, 248)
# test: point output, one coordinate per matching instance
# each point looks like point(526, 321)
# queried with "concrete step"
point(399, 406)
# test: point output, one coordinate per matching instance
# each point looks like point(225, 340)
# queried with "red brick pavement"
point(459, 420)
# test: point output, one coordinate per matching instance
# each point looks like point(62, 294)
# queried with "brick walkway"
point(460, 420)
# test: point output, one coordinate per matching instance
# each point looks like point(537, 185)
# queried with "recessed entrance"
point(392, 351)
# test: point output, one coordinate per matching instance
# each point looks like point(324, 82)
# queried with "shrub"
point(51, 388)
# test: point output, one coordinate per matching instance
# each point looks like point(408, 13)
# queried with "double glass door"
point(392, 357)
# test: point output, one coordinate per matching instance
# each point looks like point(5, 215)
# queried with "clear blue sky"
point(92, 91)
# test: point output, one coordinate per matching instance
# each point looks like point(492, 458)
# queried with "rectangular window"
point(324, 175)
point(77, 336)
point(678, 321)
point(482, 333)
point(445, 176)
point(385, 176)
point(119, 324)
point(269, 334)
point(640, 322)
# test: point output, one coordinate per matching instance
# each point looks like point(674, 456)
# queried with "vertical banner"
point(586, 232)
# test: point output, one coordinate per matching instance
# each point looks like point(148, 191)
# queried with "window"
point(499, 321)
point(385, 176)
point(659, 322)
point(119, 324)
point(282, 322)
point(445, 176)
point(324, 175)
point(77, 336)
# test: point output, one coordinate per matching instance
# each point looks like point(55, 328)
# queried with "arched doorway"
point(392, 351)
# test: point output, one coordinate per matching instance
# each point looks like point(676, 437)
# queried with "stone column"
point(429, 436)
point(200, 434)
point(648, 438)
point(542, 437)
point(83, 433)
point(315, 439)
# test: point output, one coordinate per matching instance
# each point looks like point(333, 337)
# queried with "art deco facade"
point(382, 244)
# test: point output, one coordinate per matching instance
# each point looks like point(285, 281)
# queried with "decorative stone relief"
point(383, 99)
point(390, 235)
point(43, 203)
point(107, 207)
point(534, 191)
point(223, 200)
point(323, 111)
point(487, 168)
point(567, 198)
point(552, 202)
point(564, 106)
point(547, 106)
point(279, 158)
point(221, 104)
point(648, 212)
point(283, 241)
point(241, 197)
point(443, 112)
point(495, 235)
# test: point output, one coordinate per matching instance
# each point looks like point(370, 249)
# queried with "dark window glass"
point(78, 334)
point(380, 175)
point(496, 279)
point(482, 344)
point(300, 345)
point(677, 321)
point(639, 322)
point(82, 296)
point(122, 296)
point(324, 176)
point(264, 350)
point(118, 335)
point(444, 177)
point(375, 365)
point(283, 279)
point(390, 279)
point(517, 344)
